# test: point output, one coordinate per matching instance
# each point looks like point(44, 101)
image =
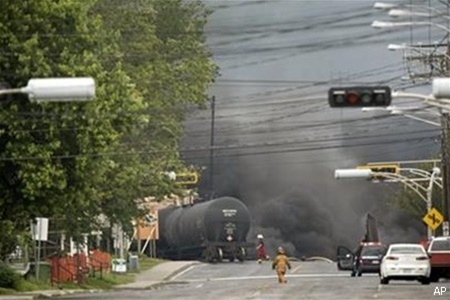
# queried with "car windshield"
point(440, 245)
point(372, 251)
point(406, 250)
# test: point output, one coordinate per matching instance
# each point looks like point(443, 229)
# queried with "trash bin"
point(119, 265)
point(43, 273)
point(133, 264)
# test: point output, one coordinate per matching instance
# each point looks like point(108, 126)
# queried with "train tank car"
point(213, 230)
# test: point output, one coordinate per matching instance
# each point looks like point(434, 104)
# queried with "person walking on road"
point(280, 264)
point(261, 249)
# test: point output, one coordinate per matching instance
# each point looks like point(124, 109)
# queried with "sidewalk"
point(159, 274)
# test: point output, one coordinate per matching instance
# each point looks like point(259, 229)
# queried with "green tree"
point(166, 57)
point(75, 161)
point(54, 157)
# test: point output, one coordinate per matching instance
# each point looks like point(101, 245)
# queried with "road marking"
point(199, 285)
point(296, 269)
point(266, 277)
point(255, 294)
point(181, 273)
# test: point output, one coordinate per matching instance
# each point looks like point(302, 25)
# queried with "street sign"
point(433, 218)
point(40, 229)
point(445, 228)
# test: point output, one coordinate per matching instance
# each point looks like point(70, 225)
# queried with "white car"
point(405, 262)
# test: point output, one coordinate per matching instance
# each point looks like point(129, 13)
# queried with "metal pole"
point(445, 165)
point(138, 236)
point(429, 199)
point(211, 151)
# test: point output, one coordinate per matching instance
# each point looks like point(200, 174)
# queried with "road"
point(249, 280)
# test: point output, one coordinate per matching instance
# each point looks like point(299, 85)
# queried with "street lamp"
point(353, 173)
point(391, 6)
point(56, 89)
point(403, 111)
point(418, 47)
point(407, 13)
point(383, 24)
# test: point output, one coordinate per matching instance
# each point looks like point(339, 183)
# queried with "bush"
point(8, 278)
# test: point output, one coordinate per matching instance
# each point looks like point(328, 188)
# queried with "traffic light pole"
point(425, 193)
point(445, 164)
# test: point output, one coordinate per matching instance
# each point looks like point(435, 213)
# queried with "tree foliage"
point(75, 161)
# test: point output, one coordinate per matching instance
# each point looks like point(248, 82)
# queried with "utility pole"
point(445, 153)
point(211, 148)
point(445, 165)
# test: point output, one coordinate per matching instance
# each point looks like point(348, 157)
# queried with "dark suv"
point(365, 259)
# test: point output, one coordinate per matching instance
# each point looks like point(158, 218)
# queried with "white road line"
point(296, 269)
point(199, 285)
point(266, 277)
point(181, 273)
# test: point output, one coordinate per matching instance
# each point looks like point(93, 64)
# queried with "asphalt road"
point(306, 280)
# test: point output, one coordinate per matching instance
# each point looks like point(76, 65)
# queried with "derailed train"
point(213, 230)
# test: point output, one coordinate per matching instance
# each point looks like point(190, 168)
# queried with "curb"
point(151, 285)
point(179, 271)
point(46, 294)
point(51, 294)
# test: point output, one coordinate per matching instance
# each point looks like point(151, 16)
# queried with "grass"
point(100, 281)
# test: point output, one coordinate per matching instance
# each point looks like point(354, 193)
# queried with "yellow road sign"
point(433, 218)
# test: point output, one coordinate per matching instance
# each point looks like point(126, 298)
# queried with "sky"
point(277, 142)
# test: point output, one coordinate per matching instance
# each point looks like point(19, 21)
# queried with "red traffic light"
point(359, 96)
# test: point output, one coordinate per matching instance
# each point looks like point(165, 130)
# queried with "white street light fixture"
point(57, 89)
point(441, 87)
point(394, 47)
point(417, 47)
point(353, 173)
point(407, 13)
point(390, 6)
point(383, 5)
point(382, 24)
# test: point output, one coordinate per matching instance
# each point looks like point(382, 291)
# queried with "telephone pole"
point(445, 164)
point(211, 148)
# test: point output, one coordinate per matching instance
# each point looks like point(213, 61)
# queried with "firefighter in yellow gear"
point(280, 264)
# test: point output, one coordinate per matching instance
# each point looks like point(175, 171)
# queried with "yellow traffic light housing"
point(187, 178)
point(391, 168)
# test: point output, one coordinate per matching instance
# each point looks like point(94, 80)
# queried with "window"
point(373, 251)
point(407, 250)
point(440, 245)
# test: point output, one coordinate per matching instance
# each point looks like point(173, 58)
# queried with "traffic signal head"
point(187, 178)
point(359, 96)
point(380, 169)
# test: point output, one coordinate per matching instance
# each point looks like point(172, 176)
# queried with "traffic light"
point(359, 96)
point(393, 169)
point(187, 178)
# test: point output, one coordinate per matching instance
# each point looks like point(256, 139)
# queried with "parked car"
point(365, 259)
point(439, 252)
point(405, 262)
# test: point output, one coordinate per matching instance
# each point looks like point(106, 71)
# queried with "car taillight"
point(422, 258)
point(391, 258)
